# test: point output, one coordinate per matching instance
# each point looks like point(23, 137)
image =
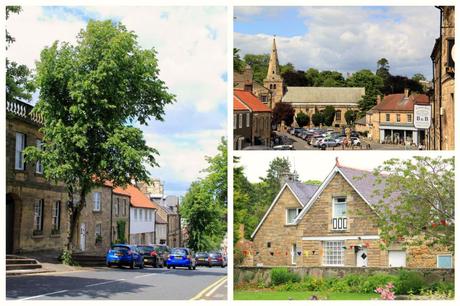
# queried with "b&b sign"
point(422, 116)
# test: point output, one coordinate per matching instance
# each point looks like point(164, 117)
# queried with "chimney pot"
point(406, 92)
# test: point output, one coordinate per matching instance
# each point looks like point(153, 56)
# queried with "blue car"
point(181, 257)
point(124, 255)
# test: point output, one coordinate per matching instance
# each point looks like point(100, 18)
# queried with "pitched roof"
point(250, 100)
point(304, 192)
point(238, 106)
point(323, 95)
point(138, 199)
point(398, 102)
point(361, 121)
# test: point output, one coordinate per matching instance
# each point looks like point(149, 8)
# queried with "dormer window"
point(291, 214)
point(339, 213)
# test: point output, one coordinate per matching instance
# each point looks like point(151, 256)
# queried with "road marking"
point(215, 288)
point(42, 295)
point(210, 287)
point(103, 283)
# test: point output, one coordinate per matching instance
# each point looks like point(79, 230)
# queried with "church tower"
point(274, 81)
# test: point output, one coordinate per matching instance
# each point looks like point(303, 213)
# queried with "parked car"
point(201, 258)
point(153, 255)
point(217, 259)
point(316, 141)
point(355, 141)
point(283, 147)
point(162, 250)
point(181, 257)
point(327, 142)
point(354, 134)
point(124, 255)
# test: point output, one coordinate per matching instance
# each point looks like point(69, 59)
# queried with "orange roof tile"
point(250, 100)
point(138, 199)
point(396, 102)
point(238, 106)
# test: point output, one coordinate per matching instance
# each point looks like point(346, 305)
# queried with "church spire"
point(273, 66)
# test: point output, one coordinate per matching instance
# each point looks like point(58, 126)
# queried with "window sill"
point(55, 236)
point(97, 211)
point(41, 236)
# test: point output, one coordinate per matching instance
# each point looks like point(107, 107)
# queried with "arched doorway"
point(10, 205)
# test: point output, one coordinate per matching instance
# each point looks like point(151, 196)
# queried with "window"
point(38, 216)
point(333, 253)
point(146, 217)
point(398, 117)
point(240, 121)
point(444, 261)
point(291, 213)
point(140, 214)
point(263, 99)
point(56, 216)
point(274, 86)
point(387, 117)
point(338, 115)
point(234, 122)
point(339, 213)
point(248, 118)
point(116, 207)
point(135, 214)
point(409, 117)
point(39, 165)
point(96, 201)
point(19, 154)
point(269, 244)
point(124, 207)
point(294, 254)
point(98, 232)
point(151, 216)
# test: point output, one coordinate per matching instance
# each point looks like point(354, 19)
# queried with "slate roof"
point(398, 102)
point(304, 192)
point(325, 95)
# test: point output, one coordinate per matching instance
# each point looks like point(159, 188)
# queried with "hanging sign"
point(422, 116)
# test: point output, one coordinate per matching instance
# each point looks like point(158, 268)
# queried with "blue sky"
point(345, 39)
point(183, 37)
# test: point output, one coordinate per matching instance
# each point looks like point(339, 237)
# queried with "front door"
point(361, 258)
point(9, 224)
point(82, 236)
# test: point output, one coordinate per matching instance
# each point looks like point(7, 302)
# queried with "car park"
point(201, 258)
point(124, 255)
point(327, 142)
point(217, 259)
point(181, 257)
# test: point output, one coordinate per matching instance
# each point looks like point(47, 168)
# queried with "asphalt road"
point(121, 284)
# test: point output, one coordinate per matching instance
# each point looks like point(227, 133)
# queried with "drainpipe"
point(111, 218)
point(440, 75)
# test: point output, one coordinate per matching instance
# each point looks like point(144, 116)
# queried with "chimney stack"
point(406, 92)
point(379, 99)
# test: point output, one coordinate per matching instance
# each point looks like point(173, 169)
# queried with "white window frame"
point(38, 164)
point(97, 201)
point(294, 254)
point(330, 243)
point(98, 229)
point(19, 151)
point(334, 202)
point(387, 117)
point(287, 214)
point(117, 207)
point(140, 214)
point(146, 217)
point(38, 214)
point(398, 117)
point(409, 118)
point(248, 119)
point(234, 121)
point(56, 215)
point(240, 121)
point(124, 207)
point(135, 214)
point(437, 261)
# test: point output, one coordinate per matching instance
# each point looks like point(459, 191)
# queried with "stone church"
point(306, 99)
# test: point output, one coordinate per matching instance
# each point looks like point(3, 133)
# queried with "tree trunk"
point(74, 210)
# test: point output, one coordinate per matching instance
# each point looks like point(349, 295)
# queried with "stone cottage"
point(333, 224)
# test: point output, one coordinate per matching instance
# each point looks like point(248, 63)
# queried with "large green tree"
point(383, 69)
point(302, 119)
point(329, 115)
point(91, 93)
point(259, 65)
point(238, 63)
point(372, 84)
point(283, 112)
point(204, 206)
point(18, 84)
point(418, 205)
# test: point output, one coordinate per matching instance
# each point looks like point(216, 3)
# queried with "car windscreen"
point(145, 248)
point(201, 254)
point(179, 252)
point(120, 248)
point(214, 255)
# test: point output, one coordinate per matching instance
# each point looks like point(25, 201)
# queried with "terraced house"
point(333, 224)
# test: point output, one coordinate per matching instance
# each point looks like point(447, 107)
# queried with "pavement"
point(121, 284)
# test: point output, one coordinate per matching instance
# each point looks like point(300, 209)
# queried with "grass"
point(300, 295)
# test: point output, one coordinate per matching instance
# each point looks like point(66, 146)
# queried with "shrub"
point(282, 276)
point(377, 280)
point(409, 282)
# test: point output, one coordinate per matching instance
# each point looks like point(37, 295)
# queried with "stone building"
point(333, 224)
point(391, 120)
point(311, 100)
point(253, 125)
point(443, 98)
point(36, 216)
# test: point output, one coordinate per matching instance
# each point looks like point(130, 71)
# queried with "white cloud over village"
point(191, 47)
point(348, 39)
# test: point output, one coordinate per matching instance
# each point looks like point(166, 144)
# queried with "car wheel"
point(169, 267)
point(174, 267)
point(194, 267)
point(142, 265)
point(108, 264)
point(190, 267)
point(155, 263)
point(222, 266)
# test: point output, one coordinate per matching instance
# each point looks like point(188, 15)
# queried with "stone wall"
point(122, 215)
point(255, 275)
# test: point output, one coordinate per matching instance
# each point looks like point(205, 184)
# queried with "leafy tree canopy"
point(302, 119)
point(283, 112)
point(329, 115)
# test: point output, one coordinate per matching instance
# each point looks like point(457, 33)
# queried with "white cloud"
point(352, 38)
